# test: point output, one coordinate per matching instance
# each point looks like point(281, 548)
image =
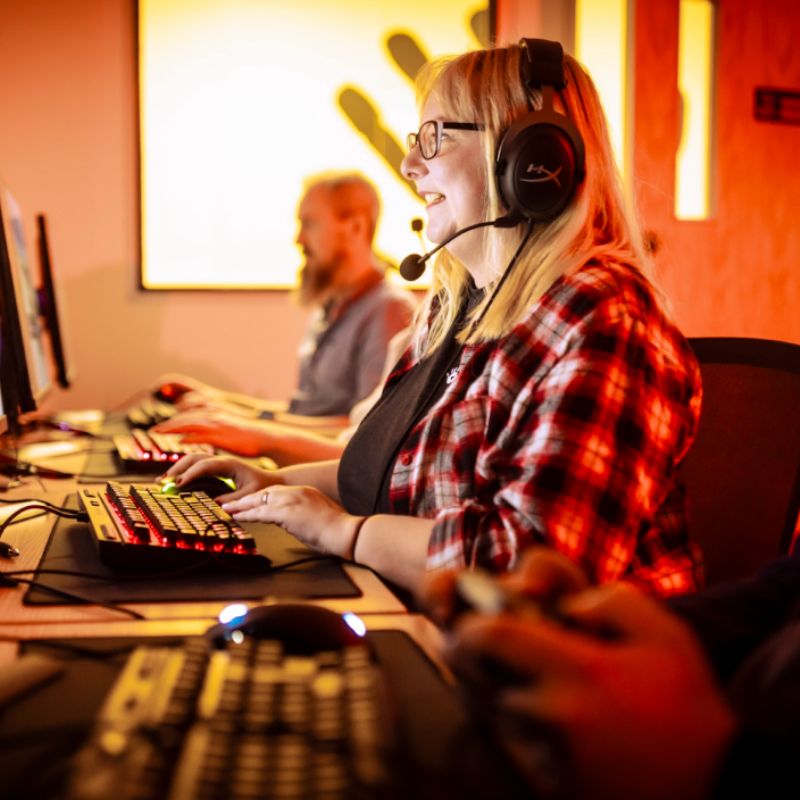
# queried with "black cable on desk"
point(14, 580)
point(145, 576)
point(79, 516)
point(91, 448)
point(37, 500)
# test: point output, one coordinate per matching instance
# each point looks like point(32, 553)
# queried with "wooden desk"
point(378, 605)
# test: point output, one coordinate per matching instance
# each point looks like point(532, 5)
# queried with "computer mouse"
point(171, 392)
point(212, 485)
point(303, 629)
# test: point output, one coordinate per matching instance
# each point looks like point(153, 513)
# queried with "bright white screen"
point(240, 101)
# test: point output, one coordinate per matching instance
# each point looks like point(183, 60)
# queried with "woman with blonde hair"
point(547, 396)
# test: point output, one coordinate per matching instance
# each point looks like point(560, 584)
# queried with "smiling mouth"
point(432, 197)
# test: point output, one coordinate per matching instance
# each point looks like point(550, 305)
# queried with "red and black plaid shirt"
point(566, 432)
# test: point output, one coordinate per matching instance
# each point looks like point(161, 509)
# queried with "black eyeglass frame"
point(412, 140)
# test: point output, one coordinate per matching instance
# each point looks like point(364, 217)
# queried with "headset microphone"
point(412, 267)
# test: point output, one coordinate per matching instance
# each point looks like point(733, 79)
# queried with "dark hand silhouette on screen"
point(409, 57)
point(407, 54)
point(360, 111)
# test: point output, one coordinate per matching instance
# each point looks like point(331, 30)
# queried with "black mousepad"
point(105, 466)
point(444, 752)
point(71, 548)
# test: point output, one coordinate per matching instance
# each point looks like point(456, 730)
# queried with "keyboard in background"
point(150, 452)
point(149, 412)
point(140, 529)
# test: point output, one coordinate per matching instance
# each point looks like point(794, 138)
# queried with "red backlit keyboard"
point(141, 529)
point(147, 451)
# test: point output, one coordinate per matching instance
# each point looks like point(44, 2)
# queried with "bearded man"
point(343, 352)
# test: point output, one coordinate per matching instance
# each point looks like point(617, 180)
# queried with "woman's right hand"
point(247, 479)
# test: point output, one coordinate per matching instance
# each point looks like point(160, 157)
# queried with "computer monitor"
point(16, 393)
point(49, 305)
point(22, 298)
point(3, 418)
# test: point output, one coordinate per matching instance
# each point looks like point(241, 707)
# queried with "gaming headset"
point(540, 158)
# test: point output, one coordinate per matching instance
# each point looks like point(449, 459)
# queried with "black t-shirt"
point(367, 463)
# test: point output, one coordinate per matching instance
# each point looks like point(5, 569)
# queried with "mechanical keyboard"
point(147, 451)
point(259, 718)
point(150, 412)
point(140, 529)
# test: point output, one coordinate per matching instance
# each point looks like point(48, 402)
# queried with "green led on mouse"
point(212, 485)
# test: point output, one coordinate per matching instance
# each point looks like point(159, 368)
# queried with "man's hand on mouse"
point(247, 479)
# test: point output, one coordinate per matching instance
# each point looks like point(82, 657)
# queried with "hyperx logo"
point(548, 176)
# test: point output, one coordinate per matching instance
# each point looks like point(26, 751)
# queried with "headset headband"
point(543, 64)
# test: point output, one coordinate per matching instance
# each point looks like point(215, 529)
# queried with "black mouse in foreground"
point(212, 485)
point(302, 628)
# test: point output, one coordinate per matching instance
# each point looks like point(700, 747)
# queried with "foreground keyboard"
point(147, 451)
point(252, 720)
point(140, 529)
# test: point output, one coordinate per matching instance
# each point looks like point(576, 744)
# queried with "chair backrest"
point(743, 469)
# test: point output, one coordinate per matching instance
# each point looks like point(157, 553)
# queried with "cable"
point(166, 574)
point(89, 448)
point(4, 579)
point(33, 516)
point(26, 468)
point(80, 516)
point(37, 500)
point(33, 470)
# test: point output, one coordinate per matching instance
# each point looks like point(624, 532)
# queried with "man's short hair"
point(350, 193)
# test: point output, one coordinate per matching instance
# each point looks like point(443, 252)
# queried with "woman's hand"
point(247, 479)
point(304, 512)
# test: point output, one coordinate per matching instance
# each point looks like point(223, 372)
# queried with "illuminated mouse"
point(212, 485)
point(171, 392)
point(302, 628)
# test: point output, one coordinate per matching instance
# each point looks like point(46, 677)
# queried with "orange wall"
point(68, 149)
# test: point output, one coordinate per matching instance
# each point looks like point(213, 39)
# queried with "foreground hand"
point(232, 433)
point(247, 479)
point(543, 575)
point(304, 512)
point(641, 714)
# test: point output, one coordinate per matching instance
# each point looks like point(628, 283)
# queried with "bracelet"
point(359, 526)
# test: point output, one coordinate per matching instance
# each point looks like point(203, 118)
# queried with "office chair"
point(743, 469)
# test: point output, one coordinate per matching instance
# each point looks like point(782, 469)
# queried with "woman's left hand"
point(304, 512)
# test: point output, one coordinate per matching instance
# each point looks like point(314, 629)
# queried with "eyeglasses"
point(429, 136)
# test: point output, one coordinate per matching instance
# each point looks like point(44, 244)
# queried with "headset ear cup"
point(540, 162)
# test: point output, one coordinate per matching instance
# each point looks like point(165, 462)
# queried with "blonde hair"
point(485, 86)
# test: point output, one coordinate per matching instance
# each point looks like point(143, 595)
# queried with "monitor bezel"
point(49, 306)
point(15, 382)
point(24, 297)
